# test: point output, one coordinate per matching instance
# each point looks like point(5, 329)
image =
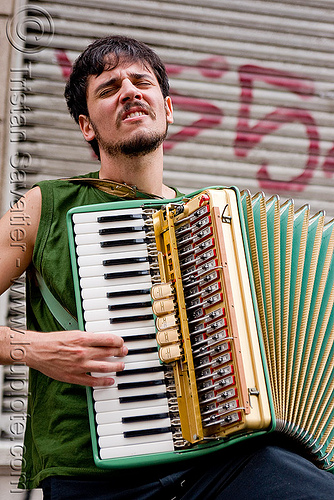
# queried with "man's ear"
point(86, 128)
point(169, 110)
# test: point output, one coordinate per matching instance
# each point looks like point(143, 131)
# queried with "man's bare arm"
point(64, 356)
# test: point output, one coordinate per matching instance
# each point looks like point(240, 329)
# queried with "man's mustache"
point(135, 104)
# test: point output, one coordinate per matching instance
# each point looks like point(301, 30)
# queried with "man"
point(118, 94)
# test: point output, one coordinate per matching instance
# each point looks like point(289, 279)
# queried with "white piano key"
point(140, 364)
point(90, 271)
point(101, 326)
point(132, 331)
point(84, 217)
point(109, 417)
point(94, 227)
point(95, 260)
point(89, 239)
point(96, 248)
point(141, 343)
point(139, 377)
point(129, 333)
point(140, 449)
point(150, 356)
point(101, 291)
point(117, 428)
point(103, 302)
point(98, 281)
point(112, 392)
point(129, 362)
point(120, 440)
point(119, 313)
point(111, 405)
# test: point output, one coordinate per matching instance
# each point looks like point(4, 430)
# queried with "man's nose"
point(129, 91)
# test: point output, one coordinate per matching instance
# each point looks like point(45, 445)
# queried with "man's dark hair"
point(94, 60)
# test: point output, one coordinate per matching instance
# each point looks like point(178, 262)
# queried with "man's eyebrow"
point(139, 76)
point(103, 85)
point(112, 81)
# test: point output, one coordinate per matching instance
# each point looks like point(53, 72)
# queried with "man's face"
point(127, 112)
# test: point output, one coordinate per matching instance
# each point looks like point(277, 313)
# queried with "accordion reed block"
point(225, 301)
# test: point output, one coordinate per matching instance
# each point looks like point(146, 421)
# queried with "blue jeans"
point(266, 473)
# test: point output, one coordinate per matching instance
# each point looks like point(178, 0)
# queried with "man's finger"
point(102, 340)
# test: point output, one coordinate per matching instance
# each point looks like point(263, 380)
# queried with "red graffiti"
point(213, 67)
point(210, 115)
point(247, 136)
point(64, 63)
point(328, 166)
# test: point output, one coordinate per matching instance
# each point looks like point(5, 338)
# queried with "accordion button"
point(164, 306)
point(170, 336)
point(161, 291)
point(170, 353)
point(164, 322)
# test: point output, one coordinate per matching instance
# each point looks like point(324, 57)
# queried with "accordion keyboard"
point(117, 267)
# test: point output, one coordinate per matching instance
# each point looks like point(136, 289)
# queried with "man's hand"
point(70, 356)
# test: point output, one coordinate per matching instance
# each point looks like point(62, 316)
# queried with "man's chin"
point(139, 145)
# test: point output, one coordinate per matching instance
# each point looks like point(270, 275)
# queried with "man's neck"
point(144, 172)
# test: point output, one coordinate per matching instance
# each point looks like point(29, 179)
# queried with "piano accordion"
point(225, 302)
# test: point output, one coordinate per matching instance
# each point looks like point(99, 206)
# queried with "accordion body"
point(225, 301)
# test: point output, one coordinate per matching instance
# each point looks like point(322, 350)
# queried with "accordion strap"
point(114, 188)
point(64, 318)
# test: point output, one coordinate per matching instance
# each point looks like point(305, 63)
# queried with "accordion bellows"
point(293, 268)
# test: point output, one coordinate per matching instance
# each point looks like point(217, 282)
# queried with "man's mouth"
point(134, 114)
point(133, 110)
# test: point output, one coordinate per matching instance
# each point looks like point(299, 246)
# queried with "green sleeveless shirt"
point(57, 440)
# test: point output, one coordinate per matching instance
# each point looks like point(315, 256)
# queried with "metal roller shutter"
point(251, 83)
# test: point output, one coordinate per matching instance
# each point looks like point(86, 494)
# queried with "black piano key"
point(129, 319)
point(147, 432)
point(116, 218)
point(145, 336)
point(118, 243)
point(120, 230)
point(134, 385)
point(126, 293)
point(143, 350)
point(133, 305)
point(140, 371)
point(126, 274)
point(144, 418)
point(121, 262)
point(142, 397)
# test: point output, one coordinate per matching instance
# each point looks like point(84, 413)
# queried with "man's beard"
point(139, 145)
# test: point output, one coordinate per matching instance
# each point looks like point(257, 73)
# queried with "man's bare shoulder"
point(27, 210)
point(34, 198)
point(18, 231)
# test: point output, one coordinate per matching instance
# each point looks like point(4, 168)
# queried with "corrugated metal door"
point(251, 83)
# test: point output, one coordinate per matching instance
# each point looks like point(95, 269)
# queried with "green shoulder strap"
point(114, 188)
point(64, 318)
